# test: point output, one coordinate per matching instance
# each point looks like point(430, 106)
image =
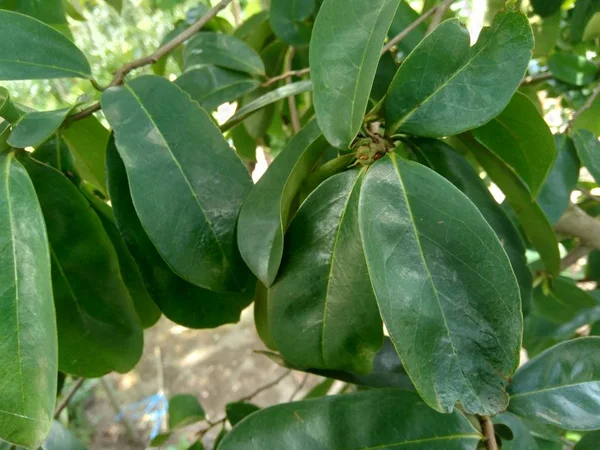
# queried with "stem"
point(439, 15)
point(576, 223)
point(299, 387)
point(265, 387)
point(68, 397)
point(237, 12)
point(291, 99)
point(588, 104)
point(487, 427)
point(283, 76)
point(409, 29)
point(536, 79)
point(574, 256)
point(587, 194)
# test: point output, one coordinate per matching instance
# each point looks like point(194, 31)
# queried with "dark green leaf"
point(383, 77)
point(288, 20)
point(236, 412)
point(590, 441)
point(320, 390)
point(8, 110)
point(522, 437)
point(560, 386)
point(255, 30)
point(212, 86)
point(344, 53)
point(266, 212)
point(455, 316)
point(592, 270)
point(184, 409)
point(564, 302)
point(196, 446)
point(160, 439)
point(445, 87)
point(405, 16)
point(182, 302)
point(520, 137)
point(555, 194)
point(224, 51)
point(187, 184)
point(582, 13)
point(116, 4)
point(572, 69)
point(322, 310)
point(261, 316)
point(245, 145)
point(546, 7)
point(28, 367)
point(588, 149)
point(353, 421)
point(35, 128)
point(51, 12)
point(160, 66)
point(60, 438)
point(546, 33)
point(98, 330)
point(33, 50)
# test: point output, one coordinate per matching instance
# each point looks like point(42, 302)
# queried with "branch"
point(265, 387)
point(300, 386)
point(68, 398)
point(439, 15)
point(574, 256)
point(409, 29)
point(291, 99)
point(487, 427)
point(576, 223)
point(588, 104)
point(283, 76)
point(536, 79)
point(587, 194)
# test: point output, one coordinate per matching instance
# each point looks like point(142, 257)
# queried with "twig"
point(265, 387)
point(487, 427)
point(588, 104)
point(299, 387)
point(283, 76)
point(68, 397)
point(586, 193)
point(536, 79)
point(123, 71)
point(211, 425)
point(439, 15)
point(237, 12)
point(574, 256)
point(409, 29)
point(575, 222)
point(291, 99)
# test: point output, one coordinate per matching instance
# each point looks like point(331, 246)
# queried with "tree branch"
point(409, 29)
point(574, 256)
point(68, 397)
point(439, 15)
point(487, 427)
point(576, 223)
point(294, 117)
point(283, 76)
point(265, 387)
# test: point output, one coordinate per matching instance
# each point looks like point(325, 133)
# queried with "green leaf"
point(33, 51)
point(245, 145)
point(160, 66)
point(522, 437)
point(8, 110)
point(184, 409)
point(383, 77)
point(560, 386)
point(404, 17)
point(520, 137)
point(455, 168)
point(455, 316)
point(590, 441)
point(564, 302)
point(322, 310)
point(546, 33)
point(546, 8)
point(87, 140)
point(265, 100)
point(180, 301)
point(320, 390)
point(255, 30)
point(530, 215)
point(341, 422)
point(588, 149)
point(288, 20)
point(224, 51)
point(28, 349)
point(160, 439)
point(116, 4)
point(98, 330)
point(592, 270)
point(60, 438)
point(34, 128)
point(445, 87)
point(261, 316)
point(238, 411)
point(176, 175)
point(572, 69)
point(592, 28)
point(344, 53)
point(266, 212)
point(582, 13)
point(51, 12)
point(212, 86)
point(555, 194)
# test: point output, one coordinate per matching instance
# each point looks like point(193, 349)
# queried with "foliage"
point(410, 238)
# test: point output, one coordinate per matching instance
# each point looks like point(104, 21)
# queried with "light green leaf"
point(116, 4)
point(592, 29)
point(560, 386)
point(445, 86)
point(582, 13)
point(344, 53)
point(34, 128)
point(322, 309)
point(28, 367)
point(238, 411)
point(564, 301)
point(180, 301)
point(212, 86)
point(98, 330)
point(320, 390)
point(266, 212)
point(360, 420)
point(255, 30)
point(33, 50)
point(224, 51)
point(186, 183)
point(184, 409)
point(572, 69)
point(588, 149)
point(455, 316)
point(8, 110)
point(546, 33)
point(288, 20)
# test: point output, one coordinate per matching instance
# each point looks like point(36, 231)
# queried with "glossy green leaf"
point(187, 184)
point(51, 12)
point(266, 212)
point(360, 420)
point(344, 53)
point(212, 86)
point(33, 50)
point(592, 270)
point(238, 411)
point(588, 120)
point(560, 386)
point(563, 302)
point(34, 128)
point(572, 69)
point(28, 327)
point(98, 330)
point(555, 194)
point(245, 145)
point(546, 7)
point(520, 137)
point(590, 441)
point(530, 215)
point(322, 310)
point(445, 86)
point(224, 51)
point(320, 390)
point(404, 17)
point(383, 77)
point(592, 28)
point(265, 100)
point(455, 316)
point(261, 316)
point(8, 110)
point(288, 20)
point(455, 168)
point(184, 409)
point(160, 66)
point(582, 13)
point(588, 149)
point(522, 437)
point(255, 30)
point(87, 140)
point(180, 301)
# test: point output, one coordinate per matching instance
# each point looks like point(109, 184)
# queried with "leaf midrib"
point(45, 66)
point(553, 388)
point(419, 441)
